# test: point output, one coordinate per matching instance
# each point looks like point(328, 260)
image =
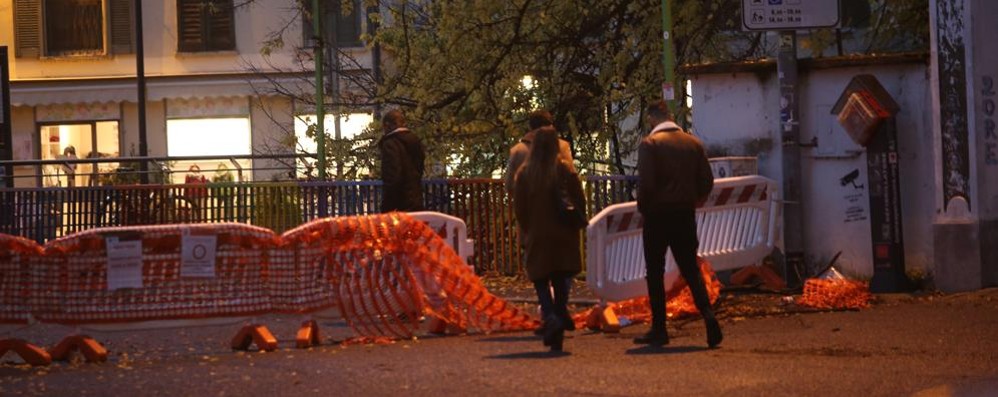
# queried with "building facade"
point(216, 85)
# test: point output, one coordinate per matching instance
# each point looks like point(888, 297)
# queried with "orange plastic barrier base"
point(767, 276)
point(608, 320)
point(92, 350)
point(308, 335)
point(254, 333)
point(31, 354)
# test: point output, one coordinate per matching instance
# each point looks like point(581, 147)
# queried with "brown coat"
point(673, 171)
point(551, 248)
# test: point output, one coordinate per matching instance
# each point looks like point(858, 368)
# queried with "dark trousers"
point(676, 229)
point(557, 305)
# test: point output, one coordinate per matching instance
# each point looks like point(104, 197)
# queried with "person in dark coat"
point(537, 120)
point(552, 248)
point(674, 177)
point(402, 157)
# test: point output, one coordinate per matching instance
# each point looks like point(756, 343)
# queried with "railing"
point(43, 214)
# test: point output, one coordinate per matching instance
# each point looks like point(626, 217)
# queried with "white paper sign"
point(197, 255)
point(124, 263)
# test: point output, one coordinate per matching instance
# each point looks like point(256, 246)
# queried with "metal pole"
point(372, 30)
point(320, 102)
point(320, 88)
point(6, 131)
point(335, 94)
point(793, 229)
point(668, 58)
point(140, 73)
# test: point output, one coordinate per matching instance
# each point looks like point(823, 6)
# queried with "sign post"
point(866, 111)
point(786, 16)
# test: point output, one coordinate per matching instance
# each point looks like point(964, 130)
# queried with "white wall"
point(738, 113)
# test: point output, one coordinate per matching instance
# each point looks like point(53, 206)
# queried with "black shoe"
point(714, 335)
point(556, 342)
point(554, 332)
point(654, 338)
point(569, 324)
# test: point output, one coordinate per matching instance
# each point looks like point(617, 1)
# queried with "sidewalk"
point(930, 345)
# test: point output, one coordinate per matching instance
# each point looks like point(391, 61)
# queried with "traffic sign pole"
point(793, 211)
point(786, 16)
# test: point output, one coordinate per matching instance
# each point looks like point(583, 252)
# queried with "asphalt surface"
point(929, 345)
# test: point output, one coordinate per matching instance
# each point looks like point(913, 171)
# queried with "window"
point(65, 28)
point(208, 137)
point(205, 25)
point(77, 140)
point(340, 28)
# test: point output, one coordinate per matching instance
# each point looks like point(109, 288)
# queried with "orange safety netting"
point(835, 294)
point(18, 256)
point(385, 272)
point(72, 283)
point(679, 300)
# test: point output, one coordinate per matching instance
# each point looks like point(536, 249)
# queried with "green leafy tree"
point(458, 68)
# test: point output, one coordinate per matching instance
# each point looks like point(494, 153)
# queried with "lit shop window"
point(218, 137)
point(79, 140)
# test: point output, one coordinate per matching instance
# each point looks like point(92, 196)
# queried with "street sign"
point(789, 14)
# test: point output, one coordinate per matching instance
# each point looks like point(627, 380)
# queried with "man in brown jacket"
point(402, 158)
point(673, 178)
point(537, 120)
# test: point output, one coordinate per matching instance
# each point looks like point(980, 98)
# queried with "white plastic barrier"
point(452, 229)
point(737, 227)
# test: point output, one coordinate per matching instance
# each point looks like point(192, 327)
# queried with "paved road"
point(903, 345)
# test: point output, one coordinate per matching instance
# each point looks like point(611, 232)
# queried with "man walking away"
point(402, 157)
point(536, 121)
point(673, 178)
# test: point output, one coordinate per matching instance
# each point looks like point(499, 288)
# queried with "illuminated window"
point(219, 137)
point(96, 139)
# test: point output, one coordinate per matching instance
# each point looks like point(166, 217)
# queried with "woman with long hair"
point(552, 245)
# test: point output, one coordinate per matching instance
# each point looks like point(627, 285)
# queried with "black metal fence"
point(43, 214)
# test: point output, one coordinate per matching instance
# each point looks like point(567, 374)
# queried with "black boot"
point(699, 290)
point(714, 335)
point(654, 337)
point(554, 333)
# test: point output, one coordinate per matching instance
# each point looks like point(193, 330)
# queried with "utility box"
point(863, 107)
point(727, 167)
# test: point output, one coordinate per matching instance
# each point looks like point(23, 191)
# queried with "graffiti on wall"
point(990, 135)
point(950, 17)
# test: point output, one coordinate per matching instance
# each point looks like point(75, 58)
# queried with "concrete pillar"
point(964, 87)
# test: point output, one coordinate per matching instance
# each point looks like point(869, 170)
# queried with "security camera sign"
point(197, 255)
point(789, 14)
